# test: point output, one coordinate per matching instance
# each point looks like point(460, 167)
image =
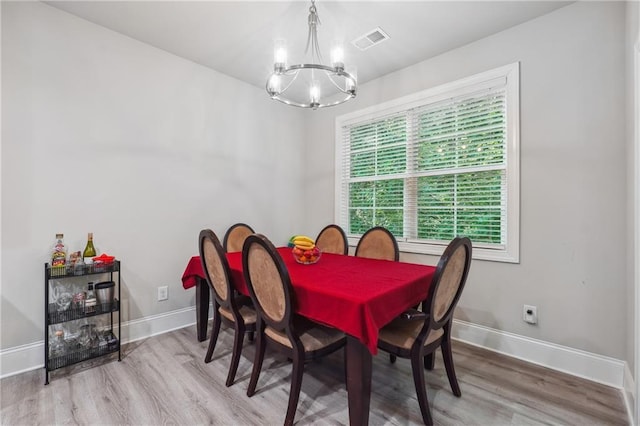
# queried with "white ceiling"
point(236, 37)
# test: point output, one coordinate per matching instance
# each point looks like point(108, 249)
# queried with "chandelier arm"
point(344, 75)
point(317, 48)
point(309, 37)
point(330, 77)
point(279, 92)
point(295, 76)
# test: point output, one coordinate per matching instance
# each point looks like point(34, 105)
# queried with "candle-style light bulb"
point(314, 94)
point(337, 57)
point(280, 55)
point(274, 86)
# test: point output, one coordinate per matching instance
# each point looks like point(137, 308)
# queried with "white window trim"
point(511, 72)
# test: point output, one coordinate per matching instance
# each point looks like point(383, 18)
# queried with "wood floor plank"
point(164, 380)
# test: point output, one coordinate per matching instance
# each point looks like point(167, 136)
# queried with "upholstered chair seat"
point(313, 336)
point(403, 333)
point(248, 314)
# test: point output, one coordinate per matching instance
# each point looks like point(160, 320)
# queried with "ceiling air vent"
point(370, 39)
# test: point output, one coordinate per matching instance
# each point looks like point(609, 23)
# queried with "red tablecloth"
point(353, 294)
point(192, 272)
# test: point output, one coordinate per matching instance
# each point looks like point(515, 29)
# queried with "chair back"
point(235, 236)
point(378, 243)
point(215, 267)
point(448, 281)
point(268, 280)
point(332, 239)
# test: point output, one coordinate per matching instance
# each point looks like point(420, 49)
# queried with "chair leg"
point(251, 334)
point(421, 391)
point(257, 362)
point(296, 385)
point(344, 363)
point(237, 350)
point(430, 361)
point(214, 333)
point(392, 358)
point(448, 365)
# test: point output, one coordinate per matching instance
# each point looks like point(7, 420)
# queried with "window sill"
point(479, 253)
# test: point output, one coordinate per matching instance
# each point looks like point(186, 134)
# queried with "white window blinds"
point(434, 168)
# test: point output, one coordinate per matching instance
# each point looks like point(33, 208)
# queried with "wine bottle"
point(89, 251)
point(90, 299)
point(59, 256)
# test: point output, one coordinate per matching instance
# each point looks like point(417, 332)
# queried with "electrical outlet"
point(530, 314)
point(163, 293)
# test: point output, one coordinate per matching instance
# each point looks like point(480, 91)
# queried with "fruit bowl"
point(306, 257)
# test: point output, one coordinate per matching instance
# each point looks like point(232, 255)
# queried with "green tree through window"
point(433, 170)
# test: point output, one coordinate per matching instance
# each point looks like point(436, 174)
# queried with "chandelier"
point(313, 85)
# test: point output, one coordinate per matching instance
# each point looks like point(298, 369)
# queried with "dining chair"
point(332, 239)
point(235, 236)
point(378, 243)
point(227, 302)
point(273, 296)
point(417, 334)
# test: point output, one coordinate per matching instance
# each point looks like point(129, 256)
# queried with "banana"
point(303, 242)
point(304, 246)
point(303, 239)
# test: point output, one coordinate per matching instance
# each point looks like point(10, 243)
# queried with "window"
point(434, 165)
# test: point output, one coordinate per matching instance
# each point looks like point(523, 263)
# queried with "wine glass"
point(87, 335)
point(62, 296)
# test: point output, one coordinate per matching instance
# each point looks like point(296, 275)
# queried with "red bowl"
point(104, 258)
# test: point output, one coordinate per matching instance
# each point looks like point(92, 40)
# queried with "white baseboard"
point(598, 368)
point(629, 393)
point(594, 367)
point(21, 359)
point(30, 357)
point(158, 324)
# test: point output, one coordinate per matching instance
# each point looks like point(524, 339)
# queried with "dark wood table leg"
point(202, 308)
point(358, 381)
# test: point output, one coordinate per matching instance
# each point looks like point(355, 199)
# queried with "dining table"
point(354, 294)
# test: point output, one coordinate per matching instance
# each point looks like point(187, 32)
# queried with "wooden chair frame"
point(421, 354)
point(226, 298)
point(286, 323)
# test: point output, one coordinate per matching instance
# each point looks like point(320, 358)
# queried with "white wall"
point(104, 134)
point(632, 37)
point(573, 175)
point(632, 83)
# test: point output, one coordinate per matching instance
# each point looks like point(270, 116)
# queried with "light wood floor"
point(164, 380)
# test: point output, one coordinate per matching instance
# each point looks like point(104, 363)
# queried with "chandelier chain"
point(312, 36)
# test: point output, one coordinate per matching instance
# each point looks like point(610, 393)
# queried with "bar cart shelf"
point(74, 351)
